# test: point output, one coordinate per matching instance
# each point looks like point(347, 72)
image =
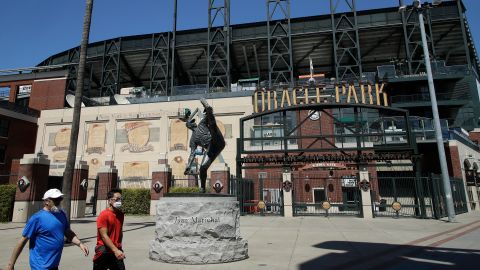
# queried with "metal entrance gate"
point(258, 197)
point(324, 197)
point(416, 197)
point(92, 195)
point(458, 194)
point(412, 195)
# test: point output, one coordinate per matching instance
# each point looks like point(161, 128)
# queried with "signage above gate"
point(367, 94)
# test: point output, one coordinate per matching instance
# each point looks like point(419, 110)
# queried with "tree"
point(72, 149)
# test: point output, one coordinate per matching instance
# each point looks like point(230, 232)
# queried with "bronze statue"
point(206, 140)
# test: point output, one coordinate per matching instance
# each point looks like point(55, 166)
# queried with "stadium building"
point(332, 109)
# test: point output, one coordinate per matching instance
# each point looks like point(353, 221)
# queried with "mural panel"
point(136, 170)
point(136, 137)
point(96, 134)
point(57, 142)
point(178, 135)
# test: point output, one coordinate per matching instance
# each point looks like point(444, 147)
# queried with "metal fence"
point(422, 197)
point(403, 197)
point(324, 197)
point(250, 193)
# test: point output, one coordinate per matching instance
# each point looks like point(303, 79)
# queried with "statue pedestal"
point(198, 229)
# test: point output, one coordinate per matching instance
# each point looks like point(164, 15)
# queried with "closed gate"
point(403, 197)
point(262, 196)
point(458, 194)
point(325, 196)
point(92, 195)
point(422, 197)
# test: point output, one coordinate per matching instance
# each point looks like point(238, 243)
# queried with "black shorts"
point(108, 261)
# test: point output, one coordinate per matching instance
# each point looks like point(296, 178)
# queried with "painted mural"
point(57, 140)
point(136, 170)
point(138, 134)
point(96, 135)
point(178, 135)
point(137, 137)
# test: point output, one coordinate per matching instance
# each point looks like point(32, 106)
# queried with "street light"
point(436, 118)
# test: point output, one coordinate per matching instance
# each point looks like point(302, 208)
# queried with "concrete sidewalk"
point(299, 243)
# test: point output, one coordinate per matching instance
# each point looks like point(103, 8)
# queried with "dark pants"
point(108, 261)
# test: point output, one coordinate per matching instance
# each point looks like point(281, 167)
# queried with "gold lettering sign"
point(266, 100)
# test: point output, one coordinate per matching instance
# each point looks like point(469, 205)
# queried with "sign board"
point(267, 99)
point(24, 89)
point(349, 182)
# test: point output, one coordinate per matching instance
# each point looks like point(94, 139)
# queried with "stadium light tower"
point(436, 118)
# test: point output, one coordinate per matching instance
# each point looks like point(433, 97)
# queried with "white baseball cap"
point(52, 194)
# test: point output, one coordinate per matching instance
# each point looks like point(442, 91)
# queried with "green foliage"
point(186, 190)
point(136, 201)
point(7, 198)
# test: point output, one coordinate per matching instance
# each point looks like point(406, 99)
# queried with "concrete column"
point(366, 196)
point(107, 180)
point(219, 177)
point(161, 179)
point(79, 189)
point(287, 195)
point(475, 198)
point(34, 168)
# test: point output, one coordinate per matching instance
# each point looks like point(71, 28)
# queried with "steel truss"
point(111, 67)
point(73, 57)
point(159, 61)
point(280, 60)
point(218, 51)
point(346, 44)
point(413, 39)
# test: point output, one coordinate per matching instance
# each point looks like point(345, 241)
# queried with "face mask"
point(55, 209)
point(117, 204)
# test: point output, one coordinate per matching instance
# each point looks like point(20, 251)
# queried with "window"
point(262, 175)
point(2, 153)
point(23, 95)
point(4, 126)
point(4, 93)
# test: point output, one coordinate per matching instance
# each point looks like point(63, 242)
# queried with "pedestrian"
point(46, 230)
point(108, 251)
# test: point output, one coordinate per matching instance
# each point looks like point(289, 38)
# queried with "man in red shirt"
point(108, 251)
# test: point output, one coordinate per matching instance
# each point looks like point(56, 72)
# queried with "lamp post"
point(436, 118)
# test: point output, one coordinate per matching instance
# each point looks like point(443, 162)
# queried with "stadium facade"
point(337, 102)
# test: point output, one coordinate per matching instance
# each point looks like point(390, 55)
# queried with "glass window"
point(4, 93)
point(2, 153)
point(4, 125)
point(23, 95)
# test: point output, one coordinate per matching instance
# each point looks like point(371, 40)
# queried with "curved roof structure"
point(145, 60)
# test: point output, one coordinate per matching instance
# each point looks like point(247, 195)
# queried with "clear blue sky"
point(32, 30)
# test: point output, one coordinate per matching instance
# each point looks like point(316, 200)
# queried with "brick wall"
point(21, 140)
point(453, 161)
point(48, 94)
point(475, 136)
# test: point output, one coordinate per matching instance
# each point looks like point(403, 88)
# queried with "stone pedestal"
point(34, 168)
point(367, 209)
point(287, 195)
point(161, 179)
point(219, 176)
point(198, 229)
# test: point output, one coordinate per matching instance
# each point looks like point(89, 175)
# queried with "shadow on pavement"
point(346, 255)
